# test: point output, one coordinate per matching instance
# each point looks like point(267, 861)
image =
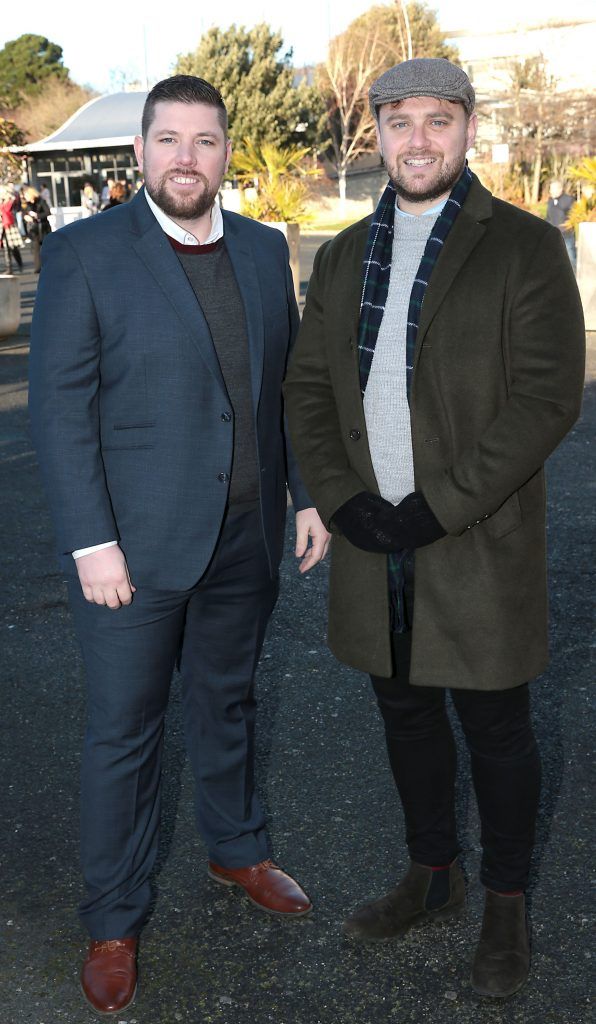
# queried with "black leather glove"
point(373, 524)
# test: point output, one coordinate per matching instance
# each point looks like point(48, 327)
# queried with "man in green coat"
point(439, 363)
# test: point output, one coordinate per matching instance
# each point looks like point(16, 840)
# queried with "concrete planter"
point(586, 271)
point(10, 305)
point(291, 233)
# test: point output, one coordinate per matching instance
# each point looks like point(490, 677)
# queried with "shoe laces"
point(111, 945)
point(264, 865)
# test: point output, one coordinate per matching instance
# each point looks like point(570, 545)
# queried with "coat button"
point(223, 477)
point(226, 417)
point(355, 434)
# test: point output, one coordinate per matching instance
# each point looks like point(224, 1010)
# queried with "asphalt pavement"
point(207, 955)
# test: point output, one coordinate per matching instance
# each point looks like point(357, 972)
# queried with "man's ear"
point(139, 147)
point(471, 132)
point(378, 134)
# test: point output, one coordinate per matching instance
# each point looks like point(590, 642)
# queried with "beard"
point(180, 206)
point(434, 188)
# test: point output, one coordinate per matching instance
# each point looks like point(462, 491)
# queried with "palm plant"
point(277, 174)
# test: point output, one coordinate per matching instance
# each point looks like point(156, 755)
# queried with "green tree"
point(26, 64)
point(391, 24)
point(257, 84)
point(10, 135)
point(378, 39)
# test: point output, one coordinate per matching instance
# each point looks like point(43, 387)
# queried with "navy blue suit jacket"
point(128, 404)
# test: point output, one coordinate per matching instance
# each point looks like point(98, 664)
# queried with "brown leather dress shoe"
point(109, 975)
point(267, 886)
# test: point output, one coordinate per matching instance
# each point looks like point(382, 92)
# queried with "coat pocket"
point(506, 519)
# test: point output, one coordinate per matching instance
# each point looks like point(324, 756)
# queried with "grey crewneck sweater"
point(386, 408)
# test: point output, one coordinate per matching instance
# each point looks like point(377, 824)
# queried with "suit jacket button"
point(223, 477)
point(355, 434)
point(226, 417)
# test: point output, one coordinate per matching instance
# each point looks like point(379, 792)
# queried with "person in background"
point(89, 200)
point(45, 195)
point(439, 363)
point(11, 236)
point(557, 213)
point(117, 196)
point(105, 192)
point(23, 202)
point(18, 211)
point(35, 215)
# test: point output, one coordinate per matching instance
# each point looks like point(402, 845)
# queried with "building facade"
point(95, 144)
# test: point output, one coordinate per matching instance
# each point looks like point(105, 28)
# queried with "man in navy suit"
point(159, 343)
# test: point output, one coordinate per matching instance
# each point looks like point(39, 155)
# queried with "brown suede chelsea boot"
point(502, 961)
point(423, 895)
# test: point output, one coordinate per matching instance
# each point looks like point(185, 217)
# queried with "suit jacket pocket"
point(129, 435)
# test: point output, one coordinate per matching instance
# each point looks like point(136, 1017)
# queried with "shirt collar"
point(433, 212)
point(179, 234)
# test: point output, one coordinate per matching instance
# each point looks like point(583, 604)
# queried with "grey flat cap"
point(423, 76)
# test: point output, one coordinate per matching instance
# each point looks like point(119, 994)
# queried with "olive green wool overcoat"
point(497, 383)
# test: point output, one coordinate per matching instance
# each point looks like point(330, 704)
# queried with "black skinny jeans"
point(505, 769)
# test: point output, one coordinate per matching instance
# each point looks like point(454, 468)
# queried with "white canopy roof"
point(105, 122)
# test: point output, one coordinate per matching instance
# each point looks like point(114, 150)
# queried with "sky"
point(105, 44)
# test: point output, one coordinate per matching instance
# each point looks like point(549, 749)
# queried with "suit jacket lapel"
point(244, 264)
point(157, 254)
point(465, 234)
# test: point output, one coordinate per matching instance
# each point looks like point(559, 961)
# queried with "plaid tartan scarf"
point(375, 286)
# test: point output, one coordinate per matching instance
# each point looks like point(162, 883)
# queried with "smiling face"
point(423, 142)
point(183, 160)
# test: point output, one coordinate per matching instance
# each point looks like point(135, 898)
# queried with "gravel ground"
point(207, 955)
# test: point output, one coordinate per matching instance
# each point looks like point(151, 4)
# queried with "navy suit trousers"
point(216, 629)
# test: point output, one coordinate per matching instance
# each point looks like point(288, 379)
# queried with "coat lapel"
point(465, 234)
point(346, 302)
point(244, 265)
point(155, 251)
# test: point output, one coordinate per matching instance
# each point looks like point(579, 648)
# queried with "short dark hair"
point(183, 89)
